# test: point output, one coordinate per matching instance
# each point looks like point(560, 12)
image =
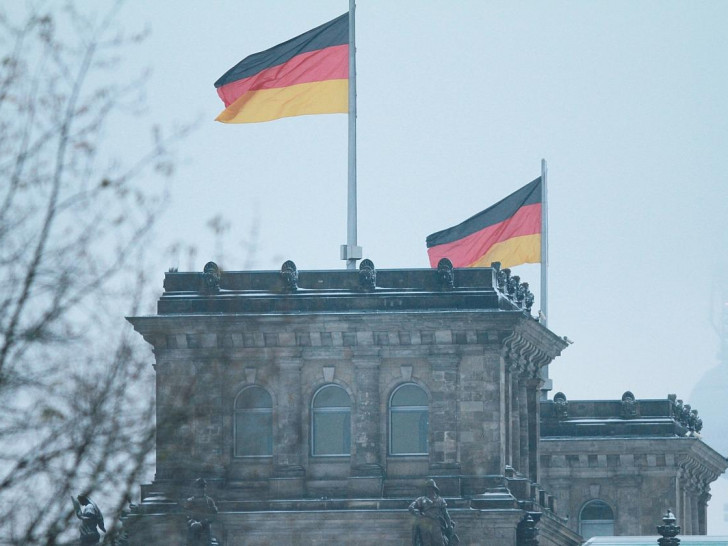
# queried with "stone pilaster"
point(366, 473)
point(288, 471)
point(534, 424)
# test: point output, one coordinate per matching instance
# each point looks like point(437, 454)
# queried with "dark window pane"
point(253, 433)
point(332, 397)
point(332, 433)
point(409, 395)
point(596, 510)
point(253, 397)
point(409, 432)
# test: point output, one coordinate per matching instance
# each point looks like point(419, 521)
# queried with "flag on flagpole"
point(508, 232)
point(308, 74)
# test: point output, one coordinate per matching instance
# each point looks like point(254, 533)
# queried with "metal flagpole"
point(350, 251)
point(544, 313)
point(544, 246)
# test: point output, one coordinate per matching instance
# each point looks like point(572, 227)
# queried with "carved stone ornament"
point(445, 274)
point(561, 406)
point(200, 511)
point(630, 407)
point(504, 275)
point(289, 274)
point(367, 275)
point(527, 532)
point(513, 283)
point(668, 530)
point(210, 278)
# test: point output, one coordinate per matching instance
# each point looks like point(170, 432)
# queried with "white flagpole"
point(544, 245)
point(544, 315)
point(350, 251)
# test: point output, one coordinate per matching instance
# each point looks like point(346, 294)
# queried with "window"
point(596, 519)
point(331, 427)
point(253, 423)
point(408, 421)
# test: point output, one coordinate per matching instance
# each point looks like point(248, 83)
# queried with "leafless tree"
point(76, 387)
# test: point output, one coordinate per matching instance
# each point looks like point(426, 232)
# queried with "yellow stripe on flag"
point(325, 97)
point(514, 251)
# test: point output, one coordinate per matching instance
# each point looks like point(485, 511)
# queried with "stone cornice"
point(526, 350)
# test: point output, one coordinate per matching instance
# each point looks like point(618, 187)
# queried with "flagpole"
point(544, 315)
point(350, 251)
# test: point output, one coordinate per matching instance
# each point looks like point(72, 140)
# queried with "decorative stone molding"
point(519, 352)
point(561, 406)
point(289, 274)
point(210, 280)
point(686, 416)
point(367, 275)
point(668, 530)
point(630, 407)
point(512, 287)
point(445, 274)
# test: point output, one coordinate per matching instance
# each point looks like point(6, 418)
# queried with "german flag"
point(508, 232)
point(308, 74)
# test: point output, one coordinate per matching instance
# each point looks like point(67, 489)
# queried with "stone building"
point(614, 465)
point(315, 403)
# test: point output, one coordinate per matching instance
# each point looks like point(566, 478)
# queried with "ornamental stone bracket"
point(523, 356)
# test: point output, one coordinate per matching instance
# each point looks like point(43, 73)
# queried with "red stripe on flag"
point(465, 251)
point(331, 63)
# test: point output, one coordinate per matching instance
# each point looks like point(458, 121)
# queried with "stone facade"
point(315, 404)
point(466, 343)
point(640, 457)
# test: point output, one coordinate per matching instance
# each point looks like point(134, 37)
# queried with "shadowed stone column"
point(507, 416)
point(288, 472)
point(515, 415)
point(703, 513)
point(523, 421)
point(534, 424)
point(366, 469)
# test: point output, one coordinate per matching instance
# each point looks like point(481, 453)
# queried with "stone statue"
point(445, 274)
point(289, 274)
point(211, 278)
point(630, 406)
point(201, 510)
point(91, 518)
point(367, 275)
point(432, 525)
point(561, 406)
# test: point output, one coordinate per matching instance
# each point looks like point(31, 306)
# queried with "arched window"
point(331, 422)
point(596, 519)
point(253, 423)
point(408, 421)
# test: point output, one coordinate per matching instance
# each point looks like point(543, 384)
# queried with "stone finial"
point(668, 530)
point(528, 301)
point(513, 283)
point(521, 293)
point(289, 274)
point(527, 532)
point(697, 422)
point(367, 275)
point(445, 274)
point(495, 265)
point(630, 406)
point(210, 278)
point(561, 406)
point(504, 276)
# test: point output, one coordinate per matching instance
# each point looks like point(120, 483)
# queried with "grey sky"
point(458, 102)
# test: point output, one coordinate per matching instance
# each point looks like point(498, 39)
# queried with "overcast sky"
point(458, 103)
